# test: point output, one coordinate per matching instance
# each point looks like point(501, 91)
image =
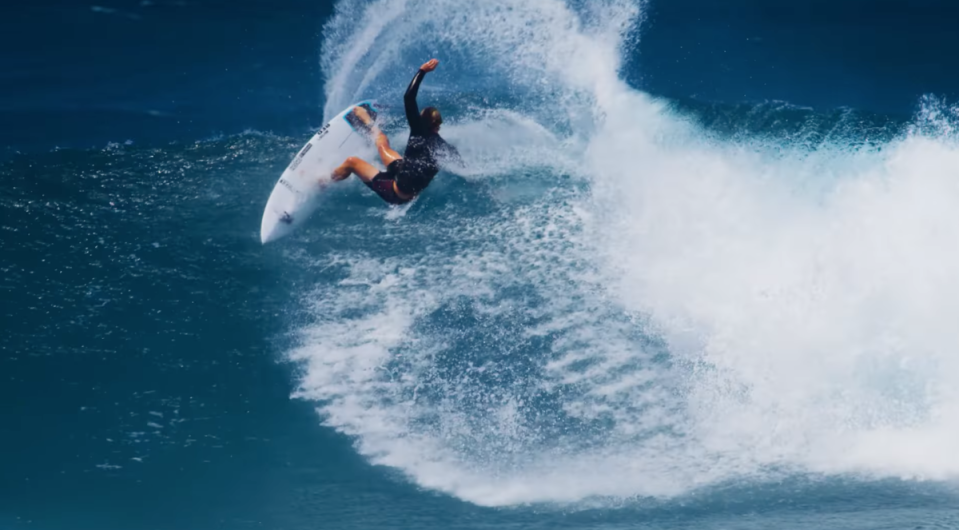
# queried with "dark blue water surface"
point(146, 383)
point(78, 73)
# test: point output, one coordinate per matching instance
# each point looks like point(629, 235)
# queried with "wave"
point(649, 300)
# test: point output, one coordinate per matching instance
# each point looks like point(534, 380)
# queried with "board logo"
point(305, 150)
point(288, 186)
point(323, 130)
point(296, 163)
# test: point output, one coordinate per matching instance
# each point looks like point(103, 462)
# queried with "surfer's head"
point(432, 118)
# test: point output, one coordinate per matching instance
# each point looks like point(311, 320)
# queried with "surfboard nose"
point(275, 226)
point(266, 236)
point(266, 233)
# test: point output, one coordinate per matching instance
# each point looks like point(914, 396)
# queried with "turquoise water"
point(644, 304)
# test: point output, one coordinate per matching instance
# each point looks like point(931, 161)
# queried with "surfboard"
point(298, 192)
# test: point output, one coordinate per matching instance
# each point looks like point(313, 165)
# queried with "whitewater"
point(641, 307)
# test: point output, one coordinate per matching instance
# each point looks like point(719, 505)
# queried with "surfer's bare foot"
point(340, 173)
point(364, 116)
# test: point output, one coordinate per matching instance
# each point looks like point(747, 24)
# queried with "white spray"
point(704, 312)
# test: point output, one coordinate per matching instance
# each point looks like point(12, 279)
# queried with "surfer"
point(405, 176)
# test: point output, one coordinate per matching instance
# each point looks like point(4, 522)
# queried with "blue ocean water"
point(698, 272)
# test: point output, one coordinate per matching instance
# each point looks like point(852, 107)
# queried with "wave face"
point(621, 298)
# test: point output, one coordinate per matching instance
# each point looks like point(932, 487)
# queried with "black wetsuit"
point(424, 151)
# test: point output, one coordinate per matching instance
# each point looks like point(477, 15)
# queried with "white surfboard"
point(297, 194)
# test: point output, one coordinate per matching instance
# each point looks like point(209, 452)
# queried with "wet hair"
point(431, 117)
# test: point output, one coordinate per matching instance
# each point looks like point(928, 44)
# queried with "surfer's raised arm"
point(409, 100)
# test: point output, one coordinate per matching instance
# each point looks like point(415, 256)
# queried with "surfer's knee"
point(351, 161)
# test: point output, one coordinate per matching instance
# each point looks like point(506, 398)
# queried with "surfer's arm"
point(409, 100)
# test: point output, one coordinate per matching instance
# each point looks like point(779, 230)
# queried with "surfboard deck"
point(297, 193)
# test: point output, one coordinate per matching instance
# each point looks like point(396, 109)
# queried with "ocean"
point(698, 271)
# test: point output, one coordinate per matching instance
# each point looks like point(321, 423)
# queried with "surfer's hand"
point(430, 65)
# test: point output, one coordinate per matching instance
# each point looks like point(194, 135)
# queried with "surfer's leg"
point(387, 154)
point(362, 168)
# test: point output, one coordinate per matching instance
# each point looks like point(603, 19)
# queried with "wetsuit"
point(414, 172)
